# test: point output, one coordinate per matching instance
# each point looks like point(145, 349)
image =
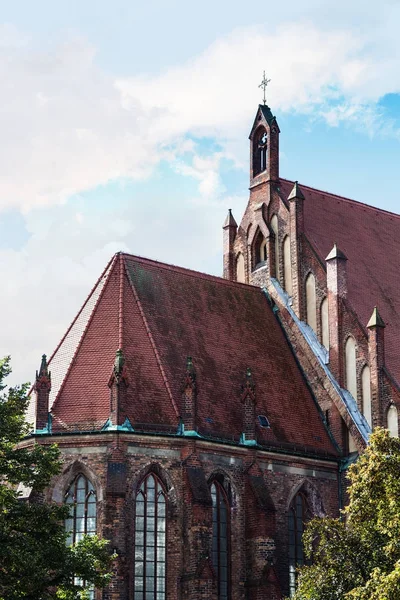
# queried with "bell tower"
point(264, 144)
point(264, 147)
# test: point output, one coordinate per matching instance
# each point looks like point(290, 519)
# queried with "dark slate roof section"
point(162, 314)
point(370, 239)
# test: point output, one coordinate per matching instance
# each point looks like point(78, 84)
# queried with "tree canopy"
point(357, 557)
point(35, 561)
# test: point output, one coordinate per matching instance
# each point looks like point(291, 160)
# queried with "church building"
point(203, 421)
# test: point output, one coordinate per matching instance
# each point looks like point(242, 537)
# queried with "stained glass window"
point(220, 539)
point(298, 515)
point(150, 540)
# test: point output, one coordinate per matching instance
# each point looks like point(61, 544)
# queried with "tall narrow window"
point(325, 323)
point(351, 370)
point(311, 302)
point(260, 151)
point(366, 394)
point(81, 498)
point(240, 274)
point(220, 538)
point(393, 421)
point(298, 515)
point(150, 540)
point(260, 249)
point(287, 266)
point(275, 229)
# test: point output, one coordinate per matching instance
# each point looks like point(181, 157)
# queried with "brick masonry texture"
point(118, 416)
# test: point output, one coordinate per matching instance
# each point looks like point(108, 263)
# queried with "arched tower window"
point(393, 421)
point(81, 497)
point(260, 249)
point(150, 540)
point(260, 151)
point(240, 272)
point(311, 302)
point(325, 323)
point(351, 370)
point(299, 514)
point(366, 394)
point(220, 538)
point(287, 266)
point(275, 229)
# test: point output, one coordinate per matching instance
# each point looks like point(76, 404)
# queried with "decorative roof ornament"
point(296, 192)
point(43, 376)
point(263, 85)
point(376, 319)
point(119, 372)
point(190, 375)
point(230, 220)
point(248, 386)
point(336, 253)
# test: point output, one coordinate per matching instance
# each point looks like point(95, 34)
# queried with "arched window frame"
point(81, 497)
point(324, 313)
point(259, 249)
point(221, 541)
point(311, 301)
point(287, 265)
point(260, 151)
point(350, 363)
point(296, 525)
point(392, 419)
point(366, 394)
point(150, 561)
point(240, 268)
point(82, 520)
point(274, 224)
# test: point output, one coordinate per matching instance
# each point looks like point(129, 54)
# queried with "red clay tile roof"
point(370, 238)
point(161, 314)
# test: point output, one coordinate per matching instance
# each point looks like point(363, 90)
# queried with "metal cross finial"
point(263, 85)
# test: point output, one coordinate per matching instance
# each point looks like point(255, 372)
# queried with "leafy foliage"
point(35, 561)
point(358, 557)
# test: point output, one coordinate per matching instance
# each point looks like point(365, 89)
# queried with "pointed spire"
point(376, 319)
point(248, 386)
point(336, 253)
point(190, 376)
point(296, 192)
point(230, 220)
point(43, 371)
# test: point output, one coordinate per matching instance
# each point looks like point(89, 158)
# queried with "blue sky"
point(125, 124)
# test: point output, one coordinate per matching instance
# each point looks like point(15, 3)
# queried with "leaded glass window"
point(220, 539)
point(298, 515)
point(81, 498)
point(150, 540)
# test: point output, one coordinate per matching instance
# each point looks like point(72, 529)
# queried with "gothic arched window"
point(260, 151)
point(81, 497)
point(220, 539)
point(287, 266)
point(299, 514)
point(311, 302)
point(260, 249)
point(275, 229)
point(240, 271)
point(351, 366)
point(150, 540)
point(325, 323)
point(393, 421)
point(366, 394)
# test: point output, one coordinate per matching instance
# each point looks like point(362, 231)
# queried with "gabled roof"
point(370, 239)
point(160, 314)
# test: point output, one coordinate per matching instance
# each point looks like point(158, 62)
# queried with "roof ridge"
point(110, 265)
point(344, 198)
point(190, 272)
point(151, 339)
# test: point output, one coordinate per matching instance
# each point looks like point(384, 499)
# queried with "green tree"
point(35, 561)
point(358, 557)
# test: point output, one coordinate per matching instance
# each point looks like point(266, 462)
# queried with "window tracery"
point(299, 514)
point(220, 538)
